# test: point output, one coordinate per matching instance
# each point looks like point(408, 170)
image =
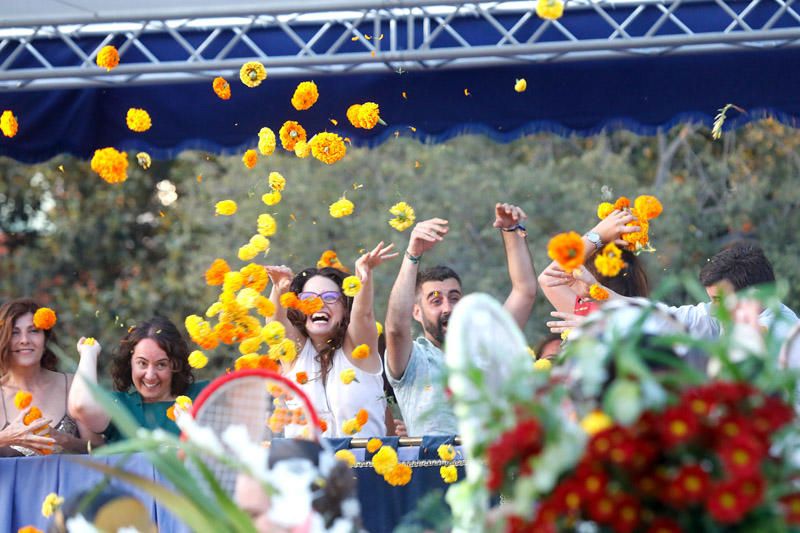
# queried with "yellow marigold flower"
point(285, 351)
point(566, 249)
point(254, 277)
point(604, 209)
point(542, 365)
point(250, 345)
point(110, 164)
point(221, 88)
point(289, 300)
point(259, 242)
point(247, 252)
point(225, 208)
point(252, 73)
point(374, 445)
point(565, 334)
point(404, 216)
point(107, 57)
point(276, 181)
point(246, 361)
point(302, 149)
point(648, 207)
point(379, 327)
point(341, 208)
point(638, 239)
point(232, 282)
point(197, 359)
point(595, 422)
point(366, 115)
point(550, 9)
point(352, 114)
point(266, 141)
point(597, 292)
point(214, 309)
point(138, 120)
point(449, 473)
point(346, 456)
point(350, 427)
point(360, 352)
point(384, 460)
point(265, 307)
point(273, 333)
point(351, 285)
point(531, 352)
point(291, 133)
point(144, 160)
point(8, 123)
point(247, 298)
point(267, 225)
point(328, 147)
point(271, 198)
point(348, 376)
point(44, 318)
point(200, 332)
point(250, 158)
point(446, 452)
point(22, 399)
point(399, 475)
point(51, 502)
point(305, 96)
point(609, 262)
point(521, 85)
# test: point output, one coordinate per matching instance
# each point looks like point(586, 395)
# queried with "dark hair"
point(90, 504)
point(631, 281)
point(169, 339)
point(436, 273)
point(9, 313)
point(298, 319)
point(544, 342)
point(743, 265)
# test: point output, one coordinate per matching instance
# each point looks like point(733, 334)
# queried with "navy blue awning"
point(643, 94)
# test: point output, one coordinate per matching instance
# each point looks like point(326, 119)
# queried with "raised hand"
point(507, 216)
point(579, 280)
point(88, 348)
point(372, 259)
point(17, 433)
point(614, 226)
point(281, 276)
point(426, 234)
point(567, 322)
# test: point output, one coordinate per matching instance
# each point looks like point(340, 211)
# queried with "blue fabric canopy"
point(639, 93)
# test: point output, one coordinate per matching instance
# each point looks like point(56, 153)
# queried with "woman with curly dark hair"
point(338, 383)
point(28, 364)
point(149, 369)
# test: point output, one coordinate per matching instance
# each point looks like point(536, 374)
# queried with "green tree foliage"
point(105, 256)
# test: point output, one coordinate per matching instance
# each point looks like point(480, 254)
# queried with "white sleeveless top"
point(337, 402)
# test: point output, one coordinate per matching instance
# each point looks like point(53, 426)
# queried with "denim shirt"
point(420, 393)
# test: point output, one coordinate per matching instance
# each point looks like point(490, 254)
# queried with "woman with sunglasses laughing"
point(326, 339)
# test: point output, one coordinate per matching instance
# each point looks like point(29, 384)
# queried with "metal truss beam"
point(336, 37)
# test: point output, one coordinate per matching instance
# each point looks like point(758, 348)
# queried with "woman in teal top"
point(150, 369)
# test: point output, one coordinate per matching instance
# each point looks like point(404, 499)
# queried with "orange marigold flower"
point(330, 259)
point(8, 123)
point(360, 352)
point(33, 414)
point(29, 529)
point(291, 133)
point(215, 274)
point(323, 426)
point(373, 445)
point(310, 306)
point(566, 249)
point(301, 378)
point(44, 318)
point(255, 277)
point(305, 96)
point(110, 164)
point(638, 239)
point(221, 88)
point(250, 158)
point(399, 475)
point(171, 412)
point(648, 207)
point(107, 57)
point(362, 416)
point(22, 399)
point(597, 292)
point(622, 203)
point(138, 120)
point(289, 300)
point(328, 147)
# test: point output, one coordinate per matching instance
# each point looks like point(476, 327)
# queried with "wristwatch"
point(595, 239)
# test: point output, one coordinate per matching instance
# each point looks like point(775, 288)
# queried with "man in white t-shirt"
point(415, 367)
